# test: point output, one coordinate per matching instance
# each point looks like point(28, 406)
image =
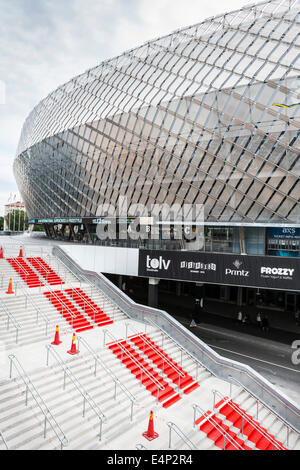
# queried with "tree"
point(17, 221)
point(1, 223)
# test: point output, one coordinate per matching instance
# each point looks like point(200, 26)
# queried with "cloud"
point(44, 43)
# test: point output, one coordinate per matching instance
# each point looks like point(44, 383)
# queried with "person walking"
point(297, 317)
point(258, 319)
point(240, 317)
point(265, 324)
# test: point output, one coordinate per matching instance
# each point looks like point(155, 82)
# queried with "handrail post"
point(10, 367)
point(83, 411)
point(131, 413)
point(170, 432)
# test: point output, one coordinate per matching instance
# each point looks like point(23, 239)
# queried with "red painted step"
point(172, 401)
point(45, 271)
point(191, 388)
point(251, 428)
point(133, 362)
point(216, 430)
point(65, 307)
point(25, 271)
point(89, 307)
point(157, 356)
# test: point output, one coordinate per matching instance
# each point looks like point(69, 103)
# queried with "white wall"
point(102, 259)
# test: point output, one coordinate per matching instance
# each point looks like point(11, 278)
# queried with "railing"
point(11, 318)
point(115, 379)
point(158, 385)
point(48, 417)
point(86, 302)
point(86, 397)
point(287, 425)
point(226, 437)
point(178, 431)
point(5, 278)
point(218, 365)
point(21, 269)
point(39, 313)
point(248, 420)
point(64, 307)
point(182, 351)
point(83, 279)
point(106, 299)
point(162, 356)
point(42, 267)
point(3, 440)
point(47, 272)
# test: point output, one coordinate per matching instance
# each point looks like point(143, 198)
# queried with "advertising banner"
point(266, 272)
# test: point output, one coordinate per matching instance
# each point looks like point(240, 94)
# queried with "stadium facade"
point(209, 114)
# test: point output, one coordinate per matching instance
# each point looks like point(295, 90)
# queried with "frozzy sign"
point(267, 272)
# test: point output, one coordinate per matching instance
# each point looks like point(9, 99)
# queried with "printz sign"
point(269, 272)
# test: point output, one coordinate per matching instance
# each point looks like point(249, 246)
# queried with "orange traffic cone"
point(1, 253)
point(150, 434)
point(10, 289)
point(21, 252)
point(73, 349)
point(56, 341)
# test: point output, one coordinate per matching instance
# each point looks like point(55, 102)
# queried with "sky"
point(44, 43)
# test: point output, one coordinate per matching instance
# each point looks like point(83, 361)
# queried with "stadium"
point(207, 116)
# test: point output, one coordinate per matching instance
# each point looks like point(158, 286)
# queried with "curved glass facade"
point(203, 115)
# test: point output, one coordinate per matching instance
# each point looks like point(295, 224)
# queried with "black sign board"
point(266, 272)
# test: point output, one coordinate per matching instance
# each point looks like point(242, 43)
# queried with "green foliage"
point(16, 220)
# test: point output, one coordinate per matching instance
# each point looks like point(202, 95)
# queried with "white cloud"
point(45, 43)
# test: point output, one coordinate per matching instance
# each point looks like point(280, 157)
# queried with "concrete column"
point(178, 289)
point(120, 284)
point(153, 292)
point(240, 296)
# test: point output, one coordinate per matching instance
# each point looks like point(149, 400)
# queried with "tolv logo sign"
point(157, 264)
point(269, 272)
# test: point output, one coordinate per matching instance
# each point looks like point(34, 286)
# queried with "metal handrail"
point(86, 396)
point(20, 268)
point(3, 440)
point(287, 425)
point(83, 278)
point(12, 318)
point(41, 266)
point(86, 302)
point(174, 427)
point(45, 279)
point(154, 348)
point(61, 303)
point(216, 425)
point(39, 401)
point(246, 418)
point(38, 311)
point(106, 298)
point(15, 282)
point(109, 372)
point(52, 258)
point(140, 366)
point(151, 322)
